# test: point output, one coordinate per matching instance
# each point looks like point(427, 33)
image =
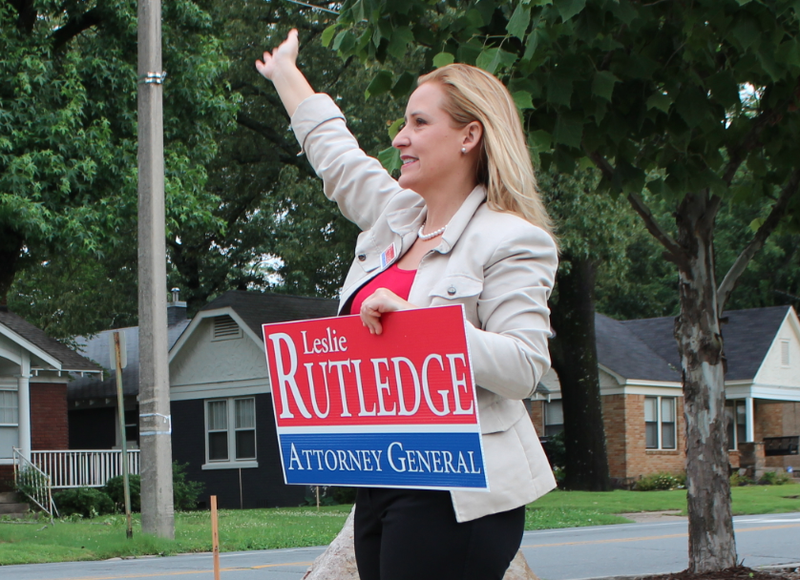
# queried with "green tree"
point(593, 233)
point(274, 229)
point(68, 132)
point(650, 93)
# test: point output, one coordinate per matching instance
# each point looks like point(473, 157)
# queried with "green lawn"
point(104, 537)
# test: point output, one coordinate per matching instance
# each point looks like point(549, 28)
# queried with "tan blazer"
point(498, 265)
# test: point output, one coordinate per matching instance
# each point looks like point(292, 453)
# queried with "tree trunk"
point(711, 542)
point(574, 355)
point(10, 248)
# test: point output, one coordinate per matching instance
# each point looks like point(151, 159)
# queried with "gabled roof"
point(624, 353)
point(34, 339)
point(97, 348)
point(256, 308)
point(748, 335)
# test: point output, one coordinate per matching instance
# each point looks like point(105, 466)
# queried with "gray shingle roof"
point(97, 349)
point(256, 308)
point(624, 353)
point(69, 359)
point(747, 336)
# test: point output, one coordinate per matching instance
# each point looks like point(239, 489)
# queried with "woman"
point(463, 224)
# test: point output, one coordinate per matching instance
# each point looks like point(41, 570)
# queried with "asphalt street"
point(566, 554)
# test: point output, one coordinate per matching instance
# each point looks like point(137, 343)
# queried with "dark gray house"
point(223, 423)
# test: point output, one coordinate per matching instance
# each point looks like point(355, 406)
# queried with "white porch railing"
point(34, 483)
point(83, 468)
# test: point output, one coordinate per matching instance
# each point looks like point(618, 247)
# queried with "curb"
point(792, 567)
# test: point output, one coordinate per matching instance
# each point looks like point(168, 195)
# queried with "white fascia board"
point(219, 390)
point(617, 377)
point(30, 347)
point(200, 316)
point(745, 389)
point(775, 393)
point(649, 390)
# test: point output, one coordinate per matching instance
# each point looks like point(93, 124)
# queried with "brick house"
point(642, 398)
point(34, 372)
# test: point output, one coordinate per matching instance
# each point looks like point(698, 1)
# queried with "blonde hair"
point(505, 167)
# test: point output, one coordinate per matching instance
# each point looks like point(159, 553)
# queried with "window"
point(231, 430)
point(553, 418)
point(736, 421)
point(9, 408)
point(659, 423)
point(132, 429)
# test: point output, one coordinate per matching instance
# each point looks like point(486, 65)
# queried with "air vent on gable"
point(785, 353)
point(225, 328)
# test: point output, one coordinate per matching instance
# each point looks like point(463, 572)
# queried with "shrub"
point(116, 491)
point(773, 478)
point(555, 449)
point(29, 481)
point(184, 493)
point(740, 480)
point(87, 502)
point(661, 481)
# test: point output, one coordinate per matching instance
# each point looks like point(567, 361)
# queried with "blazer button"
point(362, 257)
point(451, 291)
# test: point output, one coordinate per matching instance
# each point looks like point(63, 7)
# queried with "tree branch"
point(602, 164)
point(738, 153)
point(26, 14)
point(673, 250)
point(732, 277)
point(75, 26)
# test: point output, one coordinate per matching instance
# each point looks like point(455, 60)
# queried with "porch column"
point(749, 418)
point(24, 399)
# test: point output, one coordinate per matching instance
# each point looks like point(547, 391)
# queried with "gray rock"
point(338, 562)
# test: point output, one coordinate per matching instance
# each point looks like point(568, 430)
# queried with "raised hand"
point(279, 59)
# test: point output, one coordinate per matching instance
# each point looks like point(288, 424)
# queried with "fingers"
point(371, 319)
point(287, 50)
point(378, 303)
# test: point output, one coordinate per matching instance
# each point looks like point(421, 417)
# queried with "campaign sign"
point(391, 410)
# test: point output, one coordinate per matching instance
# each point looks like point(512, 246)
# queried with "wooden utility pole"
point(121, 361)
point(155, 421)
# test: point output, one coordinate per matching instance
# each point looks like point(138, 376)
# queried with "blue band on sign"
point(416, 460)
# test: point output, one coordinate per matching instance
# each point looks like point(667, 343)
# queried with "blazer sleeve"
point(509, 352)
point(357, 182)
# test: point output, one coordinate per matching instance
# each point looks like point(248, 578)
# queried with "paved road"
point(567, 554)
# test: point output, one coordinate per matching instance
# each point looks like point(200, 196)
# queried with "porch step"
point(11, 507)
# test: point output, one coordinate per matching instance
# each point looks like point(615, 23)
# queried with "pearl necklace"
point(430, 236)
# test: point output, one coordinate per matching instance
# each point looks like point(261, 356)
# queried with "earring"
point(463, 150)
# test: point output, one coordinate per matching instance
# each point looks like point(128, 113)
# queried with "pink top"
point(393, 278)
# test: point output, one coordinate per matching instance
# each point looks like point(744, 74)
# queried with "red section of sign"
point(333, 372)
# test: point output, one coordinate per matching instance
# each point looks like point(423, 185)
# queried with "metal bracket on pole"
point(153, 78)
point(167, 418)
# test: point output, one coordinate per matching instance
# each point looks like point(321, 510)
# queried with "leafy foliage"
point(184, 492)
point(660, 482)
point(87, 502)
point(115, 489)
point(68, 147)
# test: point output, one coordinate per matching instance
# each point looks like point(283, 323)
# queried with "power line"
point(307, 5)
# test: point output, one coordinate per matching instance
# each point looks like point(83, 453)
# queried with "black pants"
point(413, 535)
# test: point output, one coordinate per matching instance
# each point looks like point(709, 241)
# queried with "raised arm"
point(280, 67)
